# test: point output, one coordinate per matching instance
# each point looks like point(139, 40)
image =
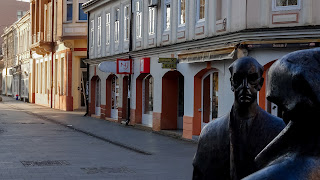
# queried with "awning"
point(203, 55)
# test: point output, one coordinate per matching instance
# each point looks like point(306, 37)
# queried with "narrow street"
point(41, 143)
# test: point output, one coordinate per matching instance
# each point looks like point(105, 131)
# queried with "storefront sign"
point(145, 65)
point(168, 63)
point(108, 67)
point(124, 66)
point(169, 66)
point(167, 60)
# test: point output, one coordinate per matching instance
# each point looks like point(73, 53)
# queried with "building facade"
point(59, 43)
point(12, 11)
point(190, 45)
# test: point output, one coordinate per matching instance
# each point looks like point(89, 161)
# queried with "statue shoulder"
point(215, 127)
point(272, 121)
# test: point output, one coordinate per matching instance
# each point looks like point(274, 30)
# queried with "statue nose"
point(245, 83)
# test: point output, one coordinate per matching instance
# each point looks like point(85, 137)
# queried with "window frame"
point(99, 31)
point(67, 3)
point(79, 10)
point(126, 23)
point(92, 33)
point(108, 28)
point(285, 8)
point(152, 19)
point(198, 11)
point(165, 13)
point(117, 25)
point(138, 20)
point(179, 13)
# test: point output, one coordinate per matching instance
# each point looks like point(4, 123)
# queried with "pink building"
point(11, 11)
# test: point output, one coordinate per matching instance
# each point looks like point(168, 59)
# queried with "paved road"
point(41, 143)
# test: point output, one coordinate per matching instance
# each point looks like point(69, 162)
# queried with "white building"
point(205, 36)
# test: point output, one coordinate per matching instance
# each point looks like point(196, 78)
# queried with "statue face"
point(288, 91)
point(246, 81)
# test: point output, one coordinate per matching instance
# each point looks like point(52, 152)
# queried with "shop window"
point(182, 12)
point(56, 76)
point(107, 28)
point(98, 91)
point(45, 77)
point(41, 77)
point(114, 92)
point(148, 94)
point(151, 20)
point(82, 15)
point(69, 10)
point(62, 77)
point(279, 5)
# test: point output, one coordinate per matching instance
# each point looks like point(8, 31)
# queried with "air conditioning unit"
point(153, 3)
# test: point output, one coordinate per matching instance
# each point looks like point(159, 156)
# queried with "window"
point(108, 28)
point(182, 12)
point(151, 20)
point(56, 76)
point(62, 91)
point(138, 20)
point(69, 10)
point(201, 9)
point(20, 14)
point(45, 77)
point(167, 15)
point(116, 25)
point(126, 23)
point(279, 5)
point(99, 32)
point(82, 15)
point(92, 33)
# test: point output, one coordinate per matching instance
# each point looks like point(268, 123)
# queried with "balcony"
point(41, 43)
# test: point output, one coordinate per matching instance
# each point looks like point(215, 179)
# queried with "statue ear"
point(232, 87)
point(301, 86)
point(260, 83)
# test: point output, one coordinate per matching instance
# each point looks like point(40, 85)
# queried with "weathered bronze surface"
point(228, 145)
point(294, 86)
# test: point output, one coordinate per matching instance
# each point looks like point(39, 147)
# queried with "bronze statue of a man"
point(228, 145)
point(295, 86)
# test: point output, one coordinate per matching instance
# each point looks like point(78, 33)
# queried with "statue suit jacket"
point(221, 155)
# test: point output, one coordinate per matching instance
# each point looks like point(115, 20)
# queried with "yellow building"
point(59, 43)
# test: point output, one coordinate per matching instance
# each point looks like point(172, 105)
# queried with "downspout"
point(52, 49)
point(88, 66)
point(129, 78)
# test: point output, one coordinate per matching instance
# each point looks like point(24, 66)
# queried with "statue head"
point(246, 80)
point(294, 84)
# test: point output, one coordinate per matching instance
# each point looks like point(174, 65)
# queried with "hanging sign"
point(124, 66)
point(108, 67)
point(168, 63)
point(145, 65)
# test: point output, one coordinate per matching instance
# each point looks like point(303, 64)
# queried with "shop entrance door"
point(98, 97)
point(114, 97)
point(209, 109)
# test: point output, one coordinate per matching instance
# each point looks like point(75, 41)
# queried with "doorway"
point(209, 106)
point(98, 98)
point(147, 100)
point(172, 101)
point(83, 83)
point(114, 97)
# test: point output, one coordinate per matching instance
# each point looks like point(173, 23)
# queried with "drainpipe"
point(129, 79)
point(87, 87)
point(52, 50)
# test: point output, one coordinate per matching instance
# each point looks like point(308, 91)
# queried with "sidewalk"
point(160, 147)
